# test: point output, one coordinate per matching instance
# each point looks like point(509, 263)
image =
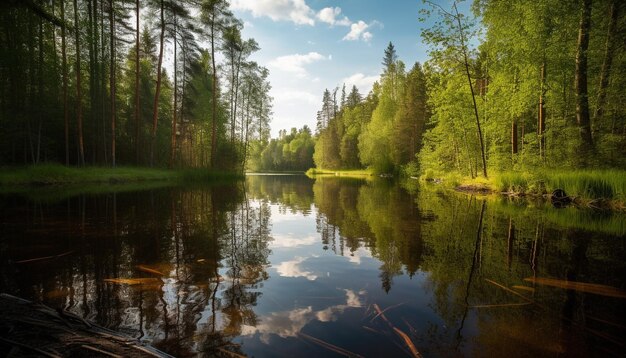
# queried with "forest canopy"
point(86, 82)
point(508, 87)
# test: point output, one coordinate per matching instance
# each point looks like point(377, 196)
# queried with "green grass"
point(54, 174)
point(342, 173)
point(585, 184)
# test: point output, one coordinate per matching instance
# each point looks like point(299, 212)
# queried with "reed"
point(585, 184)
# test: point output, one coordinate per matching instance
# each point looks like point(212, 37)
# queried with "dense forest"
point(288, 152)
point(511, 87)
point(110, 82)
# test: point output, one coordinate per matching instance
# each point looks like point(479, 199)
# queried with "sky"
point(311, 45)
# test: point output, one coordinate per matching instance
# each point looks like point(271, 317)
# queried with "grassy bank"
point(588, 187)
point(54, 174)
point(588, 184)
point(342, 173)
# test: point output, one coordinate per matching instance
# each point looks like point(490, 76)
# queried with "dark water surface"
point(288, 266)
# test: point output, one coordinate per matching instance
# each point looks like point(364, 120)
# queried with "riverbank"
point(342, 173)
point(600, 189)
point(55, 174)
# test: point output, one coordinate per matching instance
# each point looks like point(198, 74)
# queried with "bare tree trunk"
point(514, 137)
point(214, 104)
point(91, 69)
point(236, 93)
point(155, 108)
point(65, 109)
point(40, 89)
point(112, 77)
point(469, 79)
point(582, 100)
point(608, 60)
point(79, 92)
point(541, 118)
point(103, 81)
point(173, 144)
point(137, 83)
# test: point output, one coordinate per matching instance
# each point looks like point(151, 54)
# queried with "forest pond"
point(286, 266)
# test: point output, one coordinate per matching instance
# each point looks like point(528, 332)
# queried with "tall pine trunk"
point(64, 65)
point(79, 92)
point(582, 100)
point(214, 95)
point(157, 92)
point(137, 82)
point(112, 79)
point(608, 60)
point(514, 137)
point(173, 138)
point(541, 117)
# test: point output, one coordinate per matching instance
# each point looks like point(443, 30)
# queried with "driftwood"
point(32, 329)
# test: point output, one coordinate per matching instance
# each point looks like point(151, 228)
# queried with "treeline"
point(108, 82)
point(288, 152)
point(382, 131)
point(514, 87)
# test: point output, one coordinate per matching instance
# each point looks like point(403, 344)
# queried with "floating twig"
point(149, 270)
point(44, 258)
point(101, 351)
point(387, 309)
point(328, 346)
point(131, 281)
point(229, 353)
point(370, 329)
point(26, 346)
point(593, 288)
point(408, 342)
point(523, 288)
point(501, 305)
point(414, 352)
point(509, 290)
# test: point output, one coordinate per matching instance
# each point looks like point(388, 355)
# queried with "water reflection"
point(286, 265)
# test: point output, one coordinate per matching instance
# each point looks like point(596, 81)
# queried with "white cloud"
point(356, 256)
point(329, 15)
point(290, 323)
point(358, 31)
point(362, 82)
point(292, 269)
point(296, 11)
point(295, 63)
point(291, 241)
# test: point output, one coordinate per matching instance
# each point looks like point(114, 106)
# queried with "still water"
point(286, 266)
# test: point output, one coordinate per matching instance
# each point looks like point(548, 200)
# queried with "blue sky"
point(310, 45)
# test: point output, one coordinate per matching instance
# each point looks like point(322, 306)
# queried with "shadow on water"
point(287, 265)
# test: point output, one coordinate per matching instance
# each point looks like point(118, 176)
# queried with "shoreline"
point(47, 175)
point(576, 201)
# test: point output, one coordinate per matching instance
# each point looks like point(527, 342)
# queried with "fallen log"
point(28, 328)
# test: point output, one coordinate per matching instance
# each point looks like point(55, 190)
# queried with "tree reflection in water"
point(233, 270)
point(210, 246)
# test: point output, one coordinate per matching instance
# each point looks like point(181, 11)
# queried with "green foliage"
point(587, 184)
point(527, 56)
point(41, 69)
point(289, 152)
point(383, 131)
